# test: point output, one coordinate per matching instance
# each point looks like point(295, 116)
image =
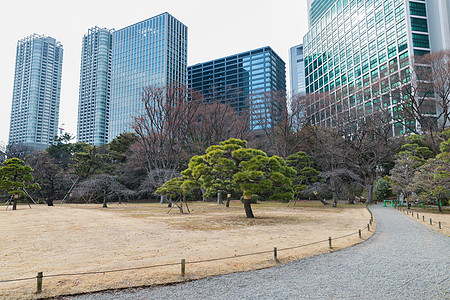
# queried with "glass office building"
point(357, 52)
point(297, 70)
point(149, 53)
point(95, 86)
point(245, 81)
point(36, 92)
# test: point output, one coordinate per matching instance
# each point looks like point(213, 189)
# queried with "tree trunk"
point(324, 202)
point(162, 199)
point(369, 193)
point(203, 194)
point(120, 199)
point(104, 201)
point(49, 201)
point(170, 201)
point(219, 198)
point(248, 206)
point(335, 199)
point(181, 206)
point(228, 200)
point(14, 203)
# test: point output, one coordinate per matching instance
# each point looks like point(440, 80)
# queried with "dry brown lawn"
point(85, 238)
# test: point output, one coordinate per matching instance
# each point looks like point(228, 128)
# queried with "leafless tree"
point(423, 102)
point(19, 150)
point(103, 186)
point(283, 137)
point(371, 147)
point(216, 121)
point(329, 151)
point(164, 127)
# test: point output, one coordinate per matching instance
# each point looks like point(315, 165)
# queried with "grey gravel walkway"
point(403, 260)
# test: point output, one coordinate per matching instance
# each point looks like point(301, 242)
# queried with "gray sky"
point(215, 29)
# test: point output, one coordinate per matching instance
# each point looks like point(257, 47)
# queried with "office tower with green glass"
point(36, 92)
point(95, 86)
point(152, 52)
point(354, 45)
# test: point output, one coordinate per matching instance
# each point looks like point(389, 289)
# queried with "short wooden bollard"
point(329, 241)
point(370, 222)
point(359, 232)
point(423, 218)
point(275, 254)
point(183, 267)
point(431, 222)
point(368, 227)
point(39, 282)
point(417, 215)
point(439, 224)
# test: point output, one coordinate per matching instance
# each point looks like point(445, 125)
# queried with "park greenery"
point(181, 150)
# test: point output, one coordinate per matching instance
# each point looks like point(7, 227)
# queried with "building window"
point(417, 9)
point(420, 40)
point(419, 24)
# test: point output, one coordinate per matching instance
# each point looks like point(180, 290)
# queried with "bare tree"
point(19, 150)
point(371, 147)
point(216, 121)
point(164, 127)
point(423, 102)
point(103, 186)
point(283, 136)
point(329, 151)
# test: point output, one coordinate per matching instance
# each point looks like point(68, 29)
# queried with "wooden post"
point(275, 254)
point(183, 267)
point(431, 222)
point(370, 221)
point(368, 227)
point(423, 218)
point(439, 224)
point(39, 283)
point(359, 232)
point(329, 241)
point(417, 215)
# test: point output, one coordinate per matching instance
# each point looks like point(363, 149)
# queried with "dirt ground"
point(86, 238)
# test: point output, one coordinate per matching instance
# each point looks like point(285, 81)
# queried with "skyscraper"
point(358, 52)
point(149, 53)
point(244, 80)
point(297, 70)
point(36, 92)
point(95, 86)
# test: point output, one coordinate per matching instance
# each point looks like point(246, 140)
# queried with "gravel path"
point(403, 260)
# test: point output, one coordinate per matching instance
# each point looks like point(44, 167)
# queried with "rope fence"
point(275, 251)
point(417, 215)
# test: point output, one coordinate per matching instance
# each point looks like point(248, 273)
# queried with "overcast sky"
point(215, 29)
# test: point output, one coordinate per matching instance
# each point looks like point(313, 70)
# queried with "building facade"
point(245, 81)
point(95, 86)
point(359, 51)
point(149, 53)
point(297, 70)
point(36, 92)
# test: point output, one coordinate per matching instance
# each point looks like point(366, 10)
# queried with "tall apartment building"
point(149, 53)
point(36, 92)
point(95, 86)
point(353, 44)
point(245, 80)
point(297, 70)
